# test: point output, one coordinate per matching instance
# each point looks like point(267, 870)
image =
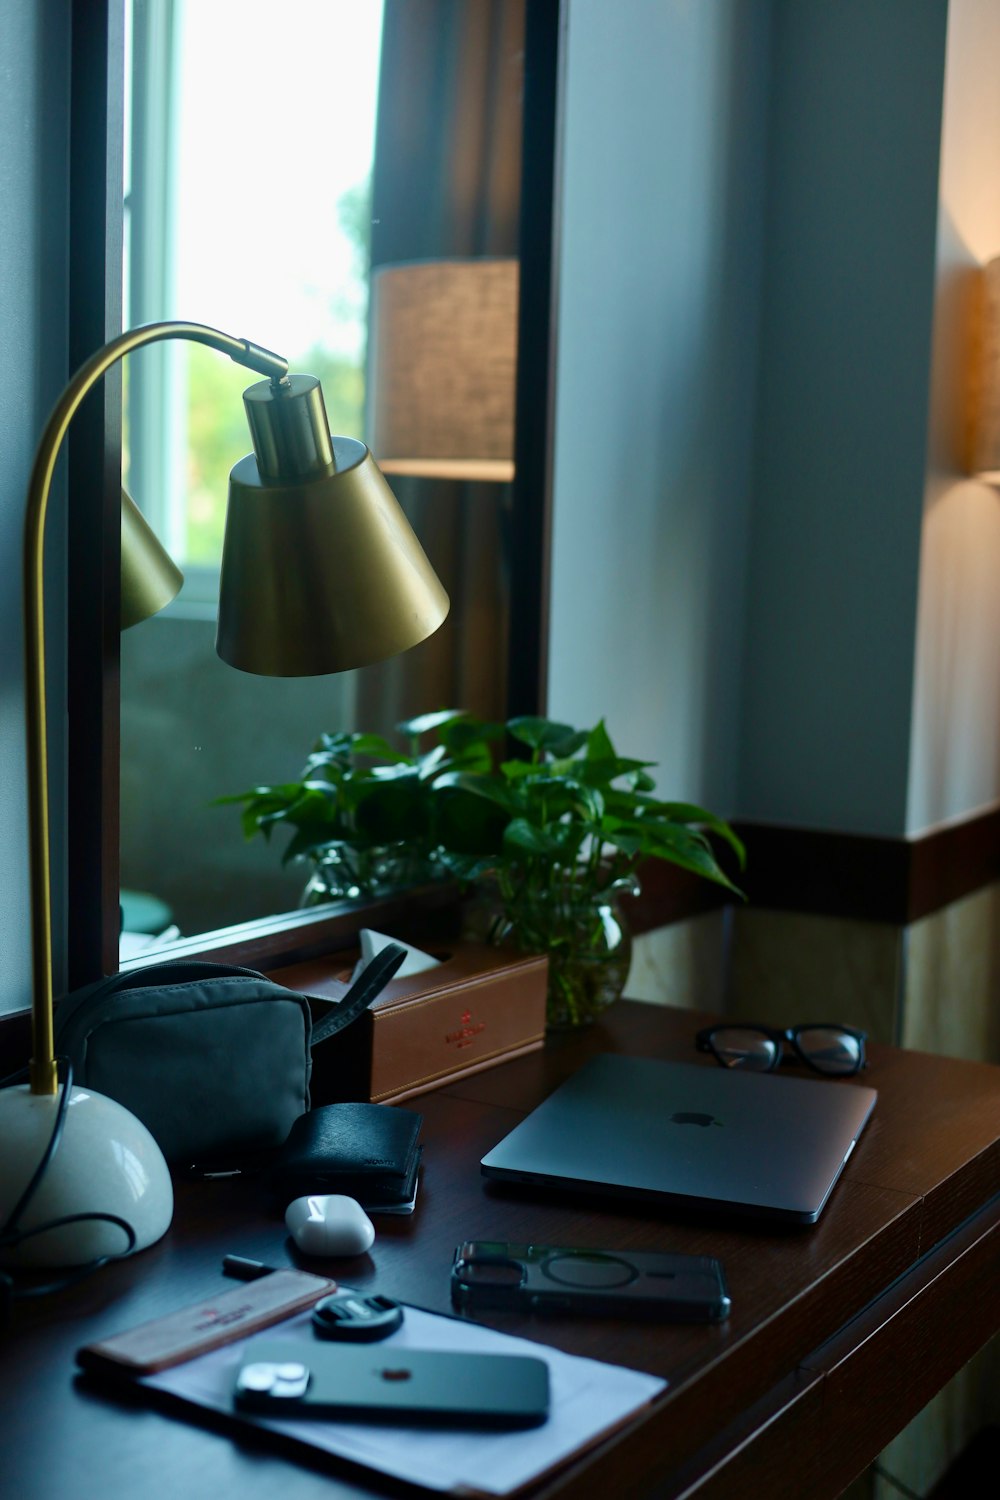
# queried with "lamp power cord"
point(11, 1233)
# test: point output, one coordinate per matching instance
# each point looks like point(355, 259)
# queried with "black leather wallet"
point(366, 1151)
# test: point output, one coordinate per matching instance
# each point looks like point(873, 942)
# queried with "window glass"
point(255, 134)
point(266, 114)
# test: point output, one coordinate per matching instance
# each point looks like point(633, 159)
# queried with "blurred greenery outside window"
point(247, 182)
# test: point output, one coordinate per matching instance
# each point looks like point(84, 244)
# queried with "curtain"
point(446, 183)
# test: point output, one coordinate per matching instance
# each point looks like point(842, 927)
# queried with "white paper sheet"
point(587, 1398)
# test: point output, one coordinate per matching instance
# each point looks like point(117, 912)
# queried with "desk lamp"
point(321, 572)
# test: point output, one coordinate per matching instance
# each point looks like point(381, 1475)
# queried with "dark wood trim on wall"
point(898, 881)
point(827, 874)
point(952, 863)
point(875, 879)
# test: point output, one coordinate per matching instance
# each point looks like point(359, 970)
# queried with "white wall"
point(955, 747)
point(855, 112)
point(658, 280)
point(850, 608)
point(34, 78)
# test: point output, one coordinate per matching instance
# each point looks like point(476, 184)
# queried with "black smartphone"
point(290, 1378)
point(560, 1279)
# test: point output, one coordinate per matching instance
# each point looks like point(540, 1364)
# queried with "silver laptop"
point(690, 1136)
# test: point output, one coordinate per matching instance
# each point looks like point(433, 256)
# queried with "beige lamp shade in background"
point(443, 357)
point(983, 437)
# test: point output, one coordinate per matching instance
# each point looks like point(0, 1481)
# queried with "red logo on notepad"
point(212, 1318)
point(466, 1033)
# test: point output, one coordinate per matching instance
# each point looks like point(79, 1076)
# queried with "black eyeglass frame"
point(704, 1041)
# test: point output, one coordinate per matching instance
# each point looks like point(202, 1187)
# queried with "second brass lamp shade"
point(149, 576)
point(321, 571)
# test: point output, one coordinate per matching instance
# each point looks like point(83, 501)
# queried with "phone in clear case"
point(618, 1283)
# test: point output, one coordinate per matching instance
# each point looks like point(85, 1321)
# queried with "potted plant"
point(553, 835)
point(368, 817)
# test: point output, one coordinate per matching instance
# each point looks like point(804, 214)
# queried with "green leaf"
point(393, 810)
point(604, 772)
point(689, 812)
point(403, 770)
point(376, 746)
point(517, 770)
point(468, 824)
point(467, 734)
point(424, 723)
point(473, 756)
point(428, 764)
point(338, 743)
point(524, 835)
point(692, 852)
point(480, 786)
point(629, 843)
point(546, 734)
point(599, 746)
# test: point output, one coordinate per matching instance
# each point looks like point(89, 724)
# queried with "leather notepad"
point(365, 1151)
point(180, 1336)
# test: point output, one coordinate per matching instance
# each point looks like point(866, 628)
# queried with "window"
point(248, 153)
point(251, 143)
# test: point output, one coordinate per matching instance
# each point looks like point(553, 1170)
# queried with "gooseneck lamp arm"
point(43, 1068)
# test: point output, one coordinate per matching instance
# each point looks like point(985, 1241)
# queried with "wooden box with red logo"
point(480, 1006)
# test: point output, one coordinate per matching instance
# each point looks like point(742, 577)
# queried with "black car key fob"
point(356, 1318)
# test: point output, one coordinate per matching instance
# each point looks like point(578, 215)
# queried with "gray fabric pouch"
point(214, 1060)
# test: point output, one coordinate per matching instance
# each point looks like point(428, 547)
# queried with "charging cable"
point(11, 1233)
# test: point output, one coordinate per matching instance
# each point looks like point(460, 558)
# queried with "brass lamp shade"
point(322, 574)
point(443, 362)
point(150, 577)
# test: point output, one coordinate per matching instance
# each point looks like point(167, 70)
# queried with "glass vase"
point(347, 873)
point(588, 942)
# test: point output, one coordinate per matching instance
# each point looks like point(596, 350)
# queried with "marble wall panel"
point(952, 991)
point(787, 967)
point(684, 964)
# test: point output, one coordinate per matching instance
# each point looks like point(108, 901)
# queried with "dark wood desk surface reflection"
point(839, 1333)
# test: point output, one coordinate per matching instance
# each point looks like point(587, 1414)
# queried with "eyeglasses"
point(825, 1046)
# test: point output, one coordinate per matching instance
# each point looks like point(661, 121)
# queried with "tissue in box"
point(478, 1007)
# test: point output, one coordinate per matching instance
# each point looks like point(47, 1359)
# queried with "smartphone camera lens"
point(259, 1378)
point(285, 1382)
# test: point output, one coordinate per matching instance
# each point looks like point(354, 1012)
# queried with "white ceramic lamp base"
point(106, 1162)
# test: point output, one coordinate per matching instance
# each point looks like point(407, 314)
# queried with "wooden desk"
point(839, 1333)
